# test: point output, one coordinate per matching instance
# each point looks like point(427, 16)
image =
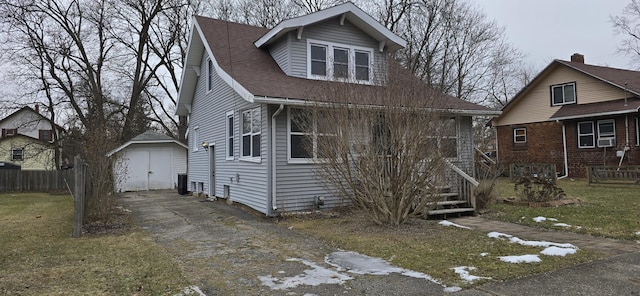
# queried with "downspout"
point(273, 157)
point(564, 148)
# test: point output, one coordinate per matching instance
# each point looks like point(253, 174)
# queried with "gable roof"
point(148, 137)
point(347, 11)
point(623, 79)
point(29, 109)
point(256, 77)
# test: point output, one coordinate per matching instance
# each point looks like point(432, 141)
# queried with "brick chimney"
point(577, 58)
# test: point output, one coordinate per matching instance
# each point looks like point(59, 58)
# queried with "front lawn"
point(39, 257)
point(606, 210)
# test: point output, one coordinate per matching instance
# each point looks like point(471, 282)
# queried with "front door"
point(212, 171)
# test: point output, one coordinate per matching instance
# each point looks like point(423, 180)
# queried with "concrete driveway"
point(225, 250)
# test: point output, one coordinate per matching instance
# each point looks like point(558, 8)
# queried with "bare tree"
point(383, 148)
point(628, 25)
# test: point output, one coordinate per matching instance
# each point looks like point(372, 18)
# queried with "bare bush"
point(382, 147)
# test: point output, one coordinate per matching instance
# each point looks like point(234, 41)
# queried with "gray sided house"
point(240, 83)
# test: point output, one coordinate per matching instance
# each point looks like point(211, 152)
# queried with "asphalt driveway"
point(225, 250)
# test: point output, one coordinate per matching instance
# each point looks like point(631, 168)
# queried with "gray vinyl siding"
point(297, 185)
point(281, 53)
point(208, 113)
point(332, 31)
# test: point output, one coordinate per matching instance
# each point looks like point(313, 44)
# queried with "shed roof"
point(148, 137)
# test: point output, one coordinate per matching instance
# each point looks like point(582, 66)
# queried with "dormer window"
point(563, 94)
point(328, 61)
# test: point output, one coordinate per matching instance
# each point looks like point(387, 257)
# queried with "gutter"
point(298, 102)
point(274, 206)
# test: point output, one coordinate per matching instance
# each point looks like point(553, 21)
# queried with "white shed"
point(147, 162)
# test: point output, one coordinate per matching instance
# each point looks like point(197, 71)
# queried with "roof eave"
point(299, 102)
point(353, 13)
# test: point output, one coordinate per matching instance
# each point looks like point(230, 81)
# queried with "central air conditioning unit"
point(606, 142)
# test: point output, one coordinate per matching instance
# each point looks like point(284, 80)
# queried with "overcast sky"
point(546, 29)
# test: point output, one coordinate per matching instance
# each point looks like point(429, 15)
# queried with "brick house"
point(572, 115)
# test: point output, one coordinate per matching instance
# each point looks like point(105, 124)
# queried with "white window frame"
point(229, 136)
point(602, 135)
point(13, 153)
point(314, 135)
point(252, 157)
point(209, 74)
point(564, 102)
point(10, 132)
point(515, 135)
point(592, 134)
point(329, 61)
point(195, 139)
point(440, 135)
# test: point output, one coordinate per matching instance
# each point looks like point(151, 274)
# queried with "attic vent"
point(577, 58)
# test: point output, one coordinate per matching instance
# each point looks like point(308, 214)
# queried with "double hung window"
point(251, 131)
point(563, 94)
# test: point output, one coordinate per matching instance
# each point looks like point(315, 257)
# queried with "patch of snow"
point(561, 225)
point(452, 289)
point(638, 233)
point(556, 251)
point(542, 219)
point(521, 259)
point(448, 223)
point(463, 271)
point(191, 290)
point(484, 254)
point(517, 240)
point(315, 276)
point(362, 264)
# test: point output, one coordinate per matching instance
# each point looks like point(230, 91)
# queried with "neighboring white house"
point(147, 162)
point(240, 82)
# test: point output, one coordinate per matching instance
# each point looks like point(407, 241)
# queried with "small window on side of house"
point(46, 135)
point(229, 135)
point(520, 135)
point(340, 63)
point(17, 154)
point(209, 74)
point(563, 94)
point(586, 134)
point(195, 141)
point(362, 65)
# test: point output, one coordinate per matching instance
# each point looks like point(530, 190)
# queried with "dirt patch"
point(119, 222)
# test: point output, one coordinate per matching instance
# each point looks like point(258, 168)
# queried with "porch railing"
point(486, 167)
point(463, 183)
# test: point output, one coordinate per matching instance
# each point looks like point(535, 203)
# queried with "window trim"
point(229, 136)
point(515, 135)
point(607, 136)
point(592, 134)
point(329, 63)
point(564, 102)
point(13, 154)
point(195, 139)
point(251, 157)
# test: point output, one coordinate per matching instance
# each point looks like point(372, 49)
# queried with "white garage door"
point(147, 170)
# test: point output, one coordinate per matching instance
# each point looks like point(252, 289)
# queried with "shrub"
point(537, 189)
point(485, 194)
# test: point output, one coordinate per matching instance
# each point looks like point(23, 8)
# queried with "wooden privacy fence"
point(614, 174)
point(533, 170)
point(36, 181)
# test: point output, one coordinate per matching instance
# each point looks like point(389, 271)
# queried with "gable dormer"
point(340, 43)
